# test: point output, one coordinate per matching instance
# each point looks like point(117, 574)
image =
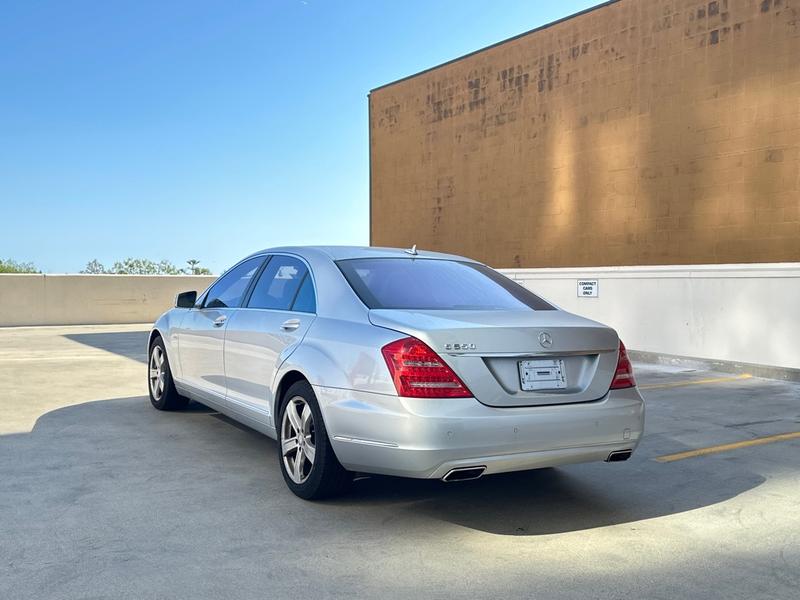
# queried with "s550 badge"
point(459, 347)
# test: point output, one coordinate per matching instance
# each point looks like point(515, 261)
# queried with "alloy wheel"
point(298, 443)
point(157, 373)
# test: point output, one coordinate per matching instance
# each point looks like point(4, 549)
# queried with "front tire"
point(308, 464)
point(163, 394)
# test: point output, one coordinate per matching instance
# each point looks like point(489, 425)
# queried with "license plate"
point(544, 374)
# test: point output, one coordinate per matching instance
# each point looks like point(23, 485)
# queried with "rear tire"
point(160, 385)
point(307, 461)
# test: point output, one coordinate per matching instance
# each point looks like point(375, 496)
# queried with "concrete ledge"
point(734, 314)
point(36, 299)
point(739, 271)
point(723, 366)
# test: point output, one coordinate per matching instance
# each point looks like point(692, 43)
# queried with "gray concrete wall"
point(90, 299)
point(740, 313)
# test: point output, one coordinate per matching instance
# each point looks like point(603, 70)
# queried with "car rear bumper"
point(424, 438)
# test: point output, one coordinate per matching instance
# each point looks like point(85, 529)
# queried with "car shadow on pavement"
point(558, 500)
point(123, 455)
point(131, 344)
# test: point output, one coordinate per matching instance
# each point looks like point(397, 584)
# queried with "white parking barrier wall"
point(738, 313)
point(746, 313)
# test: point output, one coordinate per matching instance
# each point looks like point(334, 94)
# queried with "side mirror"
point(185, 299)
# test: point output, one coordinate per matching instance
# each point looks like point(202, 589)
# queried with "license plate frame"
point(542, 374)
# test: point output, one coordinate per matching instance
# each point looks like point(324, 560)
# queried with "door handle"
point(220, 321)
point(290, 324)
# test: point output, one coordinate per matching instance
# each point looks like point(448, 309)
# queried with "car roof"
point(347, 252)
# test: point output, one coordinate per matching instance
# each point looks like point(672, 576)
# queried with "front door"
point(201, 335)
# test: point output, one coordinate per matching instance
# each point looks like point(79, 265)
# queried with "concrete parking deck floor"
point(102, 496)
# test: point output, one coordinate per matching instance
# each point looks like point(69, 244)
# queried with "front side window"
point(432, 284)
point(227, 292)
point(285, 284)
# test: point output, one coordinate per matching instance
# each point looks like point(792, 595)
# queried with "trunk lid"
point(499, 353)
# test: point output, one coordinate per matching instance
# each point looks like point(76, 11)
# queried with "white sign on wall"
point(588, 288)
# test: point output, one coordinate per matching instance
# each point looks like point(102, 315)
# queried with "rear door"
point(201, 335)
point(260, 336)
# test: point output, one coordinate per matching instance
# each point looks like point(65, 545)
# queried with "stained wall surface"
point(642, 132)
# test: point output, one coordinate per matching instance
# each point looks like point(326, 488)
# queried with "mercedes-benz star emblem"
point(545, 339)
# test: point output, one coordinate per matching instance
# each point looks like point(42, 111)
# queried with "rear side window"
point(428, 284)
point(305, 301)
point(281, 284)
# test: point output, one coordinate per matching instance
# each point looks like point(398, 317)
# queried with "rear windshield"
point(428, 284)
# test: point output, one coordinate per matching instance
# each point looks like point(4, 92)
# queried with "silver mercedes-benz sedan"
point(399, 362)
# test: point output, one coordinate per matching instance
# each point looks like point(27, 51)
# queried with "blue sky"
point(207, 129)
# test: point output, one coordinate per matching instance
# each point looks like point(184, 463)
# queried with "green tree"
point(167, 268)
point(12, 266)
point(194, 269)
point(144, 266)
point(95, 267)
point(134, 266)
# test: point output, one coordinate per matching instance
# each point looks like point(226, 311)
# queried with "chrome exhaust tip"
point(619, 455)
point(463, 474)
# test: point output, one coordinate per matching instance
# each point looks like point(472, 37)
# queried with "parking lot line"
point(759, 441)
point(656, 386)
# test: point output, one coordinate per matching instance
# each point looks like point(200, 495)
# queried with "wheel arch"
point(154, 333)
point(287, 379)
point(168, 349)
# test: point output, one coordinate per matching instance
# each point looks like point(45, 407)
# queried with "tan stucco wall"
point(642, 132)
point(90, 299)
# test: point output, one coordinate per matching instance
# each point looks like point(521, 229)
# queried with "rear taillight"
point(623, 376)
point(418, 372)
